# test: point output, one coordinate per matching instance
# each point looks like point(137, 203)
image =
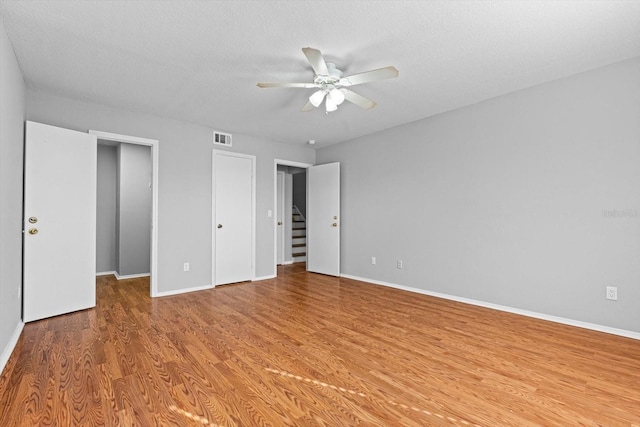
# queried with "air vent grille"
point(220, 138)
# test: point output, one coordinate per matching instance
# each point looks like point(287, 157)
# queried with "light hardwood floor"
point(311, 350)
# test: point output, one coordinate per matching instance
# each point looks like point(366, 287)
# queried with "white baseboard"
point(183, 291)
point(11, 345)
point(542, 316)
point(130, 276)
point(256, 279)
point(287, 262)
point(106, 273)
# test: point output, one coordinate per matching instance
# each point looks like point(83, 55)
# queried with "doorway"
point(145, 244)
point(123, 217)
point(286, 175)
point(323, 219)
point(291, 194)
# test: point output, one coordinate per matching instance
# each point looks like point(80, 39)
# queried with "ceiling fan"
point(331, 86)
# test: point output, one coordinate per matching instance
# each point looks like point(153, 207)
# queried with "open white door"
point(234, 213)
point(323, 219)
point(59, 221)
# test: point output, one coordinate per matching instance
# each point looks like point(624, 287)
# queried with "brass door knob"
point(33, 220)
point(219, 225)
point(33, 231)
point(335, 224)
point(279, 222)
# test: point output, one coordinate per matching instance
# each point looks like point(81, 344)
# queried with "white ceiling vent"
point(220, 138)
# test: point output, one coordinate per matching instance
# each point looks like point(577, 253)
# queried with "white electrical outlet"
point(399, 263)
point(612, 293)
point(186, 266)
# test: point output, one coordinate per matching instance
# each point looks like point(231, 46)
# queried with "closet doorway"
point(126, 220)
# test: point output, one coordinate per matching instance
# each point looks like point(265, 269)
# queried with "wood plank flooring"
point(311, 350)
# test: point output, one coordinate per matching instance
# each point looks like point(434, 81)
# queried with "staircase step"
point(299, 236)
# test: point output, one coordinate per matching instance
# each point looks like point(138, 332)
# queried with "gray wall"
point(134, 209)
point(184, 223)
point(12, 116)
point(300, 192)
point(106, 210)
point(530, 200)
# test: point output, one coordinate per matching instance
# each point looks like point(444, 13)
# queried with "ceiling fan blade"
point(314, 56)
point(302, 85)
point(308, 107)
point(359, 100)
point(370, 76)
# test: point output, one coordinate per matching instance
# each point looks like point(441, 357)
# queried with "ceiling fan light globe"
point(316, 98)
point(336, 96)
point(330, 104)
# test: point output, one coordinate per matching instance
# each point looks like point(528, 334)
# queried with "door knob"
point(219, 225)
point(33, 231)
point(279, 222)
point(335, 224)
point(335, 217)
point(33, 219)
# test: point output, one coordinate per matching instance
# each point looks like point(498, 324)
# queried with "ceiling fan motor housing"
point(332, 78)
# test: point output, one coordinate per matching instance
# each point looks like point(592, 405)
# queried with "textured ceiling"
point(199, 61)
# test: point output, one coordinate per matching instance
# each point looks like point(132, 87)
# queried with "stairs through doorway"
point(299, 236)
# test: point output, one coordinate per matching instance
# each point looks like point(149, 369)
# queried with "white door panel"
point(233, 218)
point(59, 222)
point(323, 219)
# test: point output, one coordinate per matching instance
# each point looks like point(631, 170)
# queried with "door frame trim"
point(155, 145)
point(213, 210)
point(276, 163)
point(279, 207)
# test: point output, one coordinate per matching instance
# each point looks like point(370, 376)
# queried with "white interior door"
point(59, 222)
point(280, 219)
point(234, 215)
point(323, 219)
point(288, 217)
